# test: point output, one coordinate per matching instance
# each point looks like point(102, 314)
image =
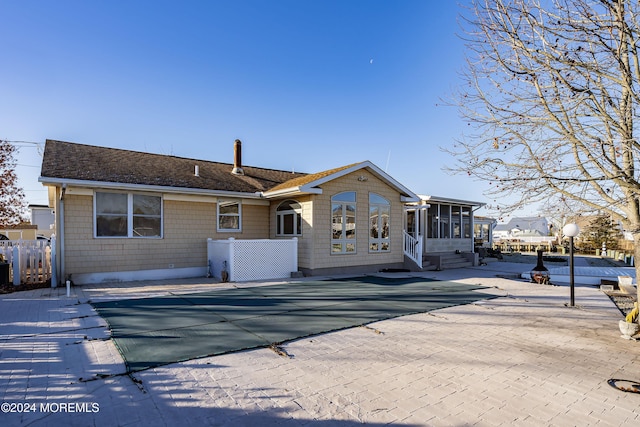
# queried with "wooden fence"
point(29, 260)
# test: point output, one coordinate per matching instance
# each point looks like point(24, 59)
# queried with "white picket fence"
point(29, 260)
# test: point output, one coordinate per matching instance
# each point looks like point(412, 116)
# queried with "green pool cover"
point(156, 331)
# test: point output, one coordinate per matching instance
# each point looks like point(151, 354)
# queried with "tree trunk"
point(636, 260)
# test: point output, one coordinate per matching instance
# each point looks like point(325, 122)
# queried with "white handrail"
point(413, 248)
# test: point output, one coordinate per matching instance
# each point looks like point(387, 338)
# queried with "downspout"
point(62, 276)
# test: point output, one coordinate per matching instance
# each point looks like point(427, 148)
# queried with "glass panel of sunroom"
point(432, 221)
point(445, 230)
point(466, 222)
point(455, 221)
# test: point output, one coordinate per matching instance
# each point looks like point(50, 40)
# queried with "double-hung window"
point(229, 215)
point(379, 209)
point(127, 215)
point(343, 223)
point(433, 216)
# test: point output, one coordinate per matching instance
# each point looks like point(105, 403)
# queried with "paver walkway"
point(524, 358)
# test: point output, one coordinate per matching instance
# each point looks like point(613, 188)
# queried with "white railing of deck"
point(30, 260)
point(525, 239)
point(413, 248)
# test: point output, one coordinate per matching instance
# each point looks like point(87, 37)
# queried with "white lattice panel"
point(264, 259)
point(249, 260)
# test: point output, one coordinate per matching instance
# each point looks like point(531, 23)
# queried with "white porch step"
point(456, 264)
point(448, 260)
point(427, 266)
point(411, 265)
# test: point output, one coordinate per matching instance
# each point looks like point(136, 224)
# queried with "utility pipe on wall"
point(62, 275)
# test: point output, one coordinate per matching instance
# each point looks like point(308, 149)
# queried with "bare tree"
point(12, 203)
point(550, 94)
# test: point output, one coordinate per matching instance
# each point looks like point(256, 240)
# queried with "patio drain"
point(625, 385)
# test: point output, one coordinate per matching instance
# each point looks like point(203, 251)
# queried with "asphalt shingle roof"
point(71, 161)
point(306, 179)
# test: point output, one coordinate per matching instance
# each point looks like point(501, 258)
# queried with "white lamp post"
point(571, 231)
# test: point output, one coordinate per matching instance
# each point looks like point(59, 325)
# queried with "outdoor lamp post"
point(571, 231)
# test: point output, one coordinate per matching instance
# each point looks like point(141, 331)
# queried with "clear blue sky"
point(306, 85)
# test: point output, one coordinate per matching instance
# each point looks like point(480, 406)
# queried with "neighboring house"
point(501, 231)
point(22, 231)
point(43, 218)
point(523, 227)
point(125, 215)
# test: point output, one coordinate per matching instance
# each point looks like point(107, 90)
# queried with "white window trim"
point(130, 216)
point(280, 219)
point(239, 215)
point(380, 240)
point(344, 241)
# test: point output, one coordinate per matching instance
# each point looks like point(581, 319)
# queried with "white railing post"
point(30, 257)
point(231, 259)
point(46, 264)
point(295, 252)
point(54, 266)
point(16, 265)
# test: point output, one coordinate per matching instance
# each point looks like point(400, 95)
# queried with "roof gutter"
point(409, 199)
point(437, 199)
point(293, 191)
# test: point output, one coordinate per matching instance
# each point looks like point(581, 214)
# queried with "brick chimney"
point(237, 158)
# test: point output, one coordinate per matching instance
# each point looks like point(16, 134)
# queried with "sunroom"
point(442, 225)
